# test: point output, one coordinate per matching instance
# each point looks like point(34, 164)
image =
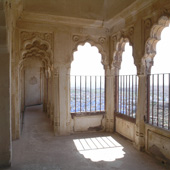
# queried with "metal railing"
point(87, 94)
point(158, 110)
point(126, 94)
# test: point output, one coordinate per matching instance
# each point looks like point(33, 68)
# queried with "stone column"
point(109, 87)
point(5, 118)
point(52, 101)
point(141, 111)
point(17, 105)
point(13, 95)
point(45, 92)
point(56, 109)
point(61, 101)
point(138, 53)
point(49, 96)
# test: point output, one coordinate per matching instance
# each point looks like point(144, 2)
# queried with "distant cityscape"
point(92, 99)
point(87, 100)
point(127, 104)
point(159, 106)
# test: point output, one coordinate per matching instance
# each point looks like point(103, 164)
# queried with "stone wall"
point(5, 117)
point(53, 41)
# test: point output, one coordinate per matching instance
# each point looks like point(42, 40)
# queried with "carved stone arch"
point(117, 56)
point(150, 46)
point(37, 47)
point(101, 41)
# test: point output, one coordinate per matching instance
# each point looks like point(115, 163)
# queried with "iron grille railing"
point(87, 94)
point(126, 90)
point(158, 110)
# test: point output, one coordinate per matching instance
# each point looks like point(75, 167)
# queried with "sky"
point(127, 66)
point(87, 59)
point(162, 57)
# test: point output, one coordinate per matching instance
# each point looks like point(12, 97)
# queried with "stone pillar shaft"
point(109, 87)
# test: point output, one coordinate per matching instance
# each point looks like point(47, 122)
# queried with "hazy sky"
point(127, 65)
point(87, 59)
point(162, 58)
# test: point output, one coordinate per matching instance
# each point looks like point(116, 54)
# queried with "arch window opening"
point(159, 84)
point(87, 81)
point(127, 85)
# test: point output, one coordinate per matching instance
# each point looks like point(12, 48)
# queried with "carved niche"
point(34, 44)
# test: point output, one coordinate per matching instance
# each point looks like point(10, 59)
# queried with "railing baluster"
point(169, 105)
point(136, 84)
point(157, 99)
point(123, 94)
point(152, 98)
point(115, 100)
point(75, 94)
point(80, 93)
point(95, 92)
point(160, 94)
point(104, 92)
point(132, 95)
point(129, 95)
point(95, 95)
point(163, 102)
point(120, 94)
point(85, 93)
point(100, 91)
point(90, 93)
point(126, 94)
point(148, 98)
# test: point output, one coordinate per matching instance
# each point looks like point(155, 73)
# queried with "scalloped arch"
point(150, 46)
point(117, 56)
point(38, 48)
point(92, 43)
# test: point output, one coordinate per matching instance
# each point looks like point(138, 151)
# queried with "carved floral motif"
point(33, 80)
point(35, 44)
point(102, 40)
point(36, 49)
point(30, 35)
point(76, 38)
point(148, 23)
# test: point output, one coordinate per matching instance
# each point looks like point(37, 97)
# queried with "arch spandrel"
point(150, 45)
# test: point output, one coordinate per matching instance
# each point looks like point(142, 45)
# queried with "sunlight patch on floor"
point(100, 148)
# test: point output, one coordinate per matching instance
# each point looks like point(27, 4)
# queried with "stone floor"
point(39, 149)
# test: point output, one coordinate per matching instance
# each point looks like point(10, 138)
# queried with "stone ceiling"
point(84, 9)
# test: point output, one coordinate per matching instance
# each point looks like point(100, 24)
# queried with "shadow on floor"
point(39, 149)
